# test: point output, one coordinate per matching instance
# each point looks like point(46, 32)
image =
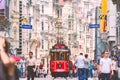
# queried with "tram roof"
point(59, 46)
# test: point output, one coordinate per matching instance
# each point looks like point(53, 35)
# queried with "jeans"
point(86, 74)
point(91, 73)
point(119, 72)
point(80, 73)
point(105, 76)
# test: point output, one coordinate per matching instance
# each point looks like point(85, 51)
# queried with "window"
point(87, 50)
point(69, 25)
point(30, 35)
point(42, 8)
point(30, 19)
point(42, 24)
point(60, 56)
point(42, 44)
point(58, 13)
point(69, 37)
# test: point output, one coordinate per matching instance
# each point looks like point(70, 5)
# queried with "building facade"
point(74, 17)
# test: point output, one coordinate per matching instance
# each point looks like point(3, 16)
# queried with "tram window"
point(66, 56)
point(60, 56)
point(53, 56)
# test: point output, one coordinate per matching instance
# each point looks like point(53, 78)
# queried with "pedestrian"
point(37, 72)
point(7, 64)
point(79, 61)
point(23, 66)
point(94, 68)
point(73, 70)
point(91, 69)
point(115, 68)
point(70, 68)
point(86, 67)
point(98, 68)
point(106, 66)
point(31, 66)
point(41, 69)
point(45, 72)
point(118, 58)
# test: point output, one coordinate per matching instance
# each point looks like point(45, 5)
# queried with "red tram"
point(59, 63)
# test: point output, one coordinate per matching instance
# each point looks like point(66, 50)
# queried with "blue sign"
point(94, 26)
point(26, 26)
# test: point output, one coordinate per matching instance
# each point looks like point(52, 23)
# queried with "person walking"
point(106, 66)
point(79, 61)
point(115, 68)
point(98, 67)
point(118, 58)
point(31, 66)
point(95, 69)
point(91, 69)
point(86, 67)
point(23, 66)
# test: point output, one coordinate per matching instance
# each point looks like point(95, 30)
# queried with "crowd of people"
point(28, 68)
point(105, 69)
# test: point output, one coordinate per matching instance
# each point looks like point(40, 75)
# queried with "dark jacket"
point(4, 73)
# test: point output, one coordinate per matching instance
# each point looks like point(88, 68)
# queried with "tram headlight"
point(59, 65)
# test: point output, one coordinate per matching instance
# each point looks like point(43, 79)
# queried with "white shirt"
point(105, 65)
point(31, 62)
point(80, 61)
point(23, 63)
point(87, 63)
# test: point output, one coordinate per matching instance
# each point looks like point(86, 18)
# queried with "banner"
point(2, 4)
point(103, 16)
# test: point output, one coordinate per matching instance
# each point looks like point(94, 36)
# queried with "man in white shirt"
point(105, 66)
point(31, 66)
point(80, 66)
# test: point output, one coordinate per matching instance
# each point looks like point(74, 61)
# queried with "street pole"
point(95, 56)
point(20, 28)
